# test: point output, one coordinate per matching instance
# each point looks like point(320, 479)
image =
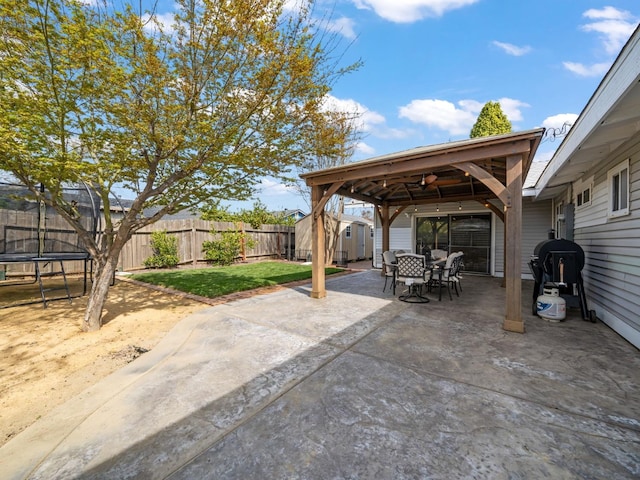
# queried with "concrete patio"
point(354, 385)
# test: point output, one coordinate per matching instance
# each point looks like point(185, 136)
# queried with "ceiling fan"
point(431, 181)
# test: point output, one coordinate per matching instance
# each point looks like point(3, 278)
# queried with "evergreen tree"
point(491, 121)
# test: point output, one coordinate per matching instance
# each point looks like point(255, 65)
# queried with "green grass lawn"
point(216, 281)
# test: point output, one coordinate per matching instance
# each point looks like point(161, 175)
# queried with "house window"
point(618, 183)
point(583, 198)
point(347, 232)
point(371, 231)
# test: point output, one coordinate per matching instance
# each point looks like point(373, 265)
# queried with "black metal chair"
point(448, 275)
point(389, 267)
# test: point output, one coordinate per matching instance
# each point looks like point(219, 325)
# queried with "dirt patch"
point(45, 359)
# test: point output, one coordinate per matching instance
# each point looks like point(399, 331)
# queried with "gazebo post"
point(383, 215)
point(318, 287)
point(513, 321)
point(384, 218)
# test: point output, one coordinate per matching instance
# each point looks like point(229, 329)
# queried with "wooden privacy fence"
point(270, 241)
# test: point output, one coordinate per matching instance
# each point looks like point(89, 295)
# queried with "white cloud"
point(511, 108)
point(368, 118)
point(440, 114)
point(582, 70)
point(272, 188)
point(365, 149)
point(165, 20)
point(407, 11)
point(614, 26)
point(369, 122)
point(343, 26)
point(557, 121)
point(292, 5)
point(455, 119)
point(512, 49)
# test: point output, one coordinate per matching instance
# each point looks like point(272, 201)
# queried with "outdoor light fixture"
point(423, 181)
point(437, 207)
point(352, 189)
point(415, 208)
point(459, 206)
point(466, 174)
point(384, 184)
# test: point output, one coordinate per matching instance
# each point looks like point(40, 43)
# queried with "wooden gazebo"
point(480, 169)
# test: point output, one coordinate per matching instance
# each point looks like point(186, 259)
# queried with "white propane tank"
point(550, 305)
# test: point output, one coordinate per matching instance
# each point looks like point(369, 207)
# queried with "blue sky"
point(430, 65)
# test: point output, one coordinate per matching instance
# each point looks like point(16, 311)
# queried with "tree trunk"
point(98, 295)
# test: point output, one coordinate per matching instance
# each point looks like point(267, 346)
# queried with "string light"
point(423, 181)
point(459, 206)
point(437, 207)
point(384, 184)
point(352, 189)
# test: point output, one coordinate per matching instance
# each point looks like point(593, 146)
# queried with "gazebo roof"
point(454, 171)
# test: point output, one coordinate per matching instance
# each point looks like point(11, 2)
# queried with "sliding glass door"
point(470, 234)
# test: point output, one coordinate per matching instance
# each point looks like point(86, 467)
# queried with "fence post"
point(243, 246)
point(194, 242)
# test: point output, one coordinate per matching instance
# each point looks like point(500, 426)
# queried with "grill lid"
point(543, 249)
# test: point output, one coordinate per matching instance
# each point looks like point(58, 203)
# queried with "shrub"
point(225, 250)
point(165, 251)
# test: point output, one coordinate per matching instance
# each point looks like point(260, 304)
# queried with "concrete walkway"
point(355, 385)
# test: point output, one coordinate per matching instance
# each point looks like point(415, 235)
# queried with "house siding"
point(612, 248)
point(536, 223)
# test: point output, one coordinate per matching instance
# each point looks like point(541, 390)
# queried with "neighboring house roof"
point(609, 119)
point(355, 219)
point(535, 170)
point(350, 219)
point(125, 204)
point(297, 213)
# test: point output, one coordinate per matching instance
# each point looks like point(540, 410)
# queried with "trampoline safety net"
point(28, 227)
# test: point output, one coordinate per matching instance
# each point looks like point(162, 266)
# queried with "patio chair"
point(447, 275)
point(389, 269)
point(412, 271)
point(437, 254)
point(459, 269)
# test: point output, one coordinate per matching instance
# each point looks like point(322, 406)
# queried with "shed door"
point(361, 241)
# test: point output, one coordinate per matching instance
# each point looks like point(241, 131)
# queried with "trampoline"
point(37, 242)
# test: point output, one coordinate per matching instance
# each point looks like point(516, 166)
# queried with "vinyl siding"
point(612, 249)
point(536, 223)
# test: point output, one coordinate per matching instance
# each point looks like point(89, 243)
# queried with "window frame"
point(347, 231)
point(582, 188)
point(618, 190)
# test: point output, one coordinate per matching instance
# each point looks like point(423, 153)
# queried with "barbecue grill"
point(559, 262)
